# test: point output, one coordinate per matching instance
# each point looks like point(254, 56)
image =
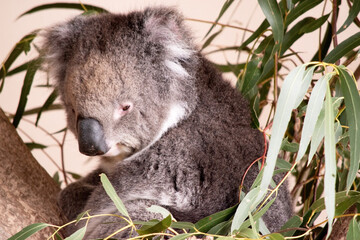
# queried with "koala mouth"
point(119, 151)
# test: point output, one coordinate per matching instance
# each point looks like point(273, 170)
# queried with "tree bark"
point(27, 193)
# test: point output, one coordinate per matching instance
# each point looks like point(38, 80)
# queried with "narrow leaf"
point(343, 48)
point(315, 24)
point(286, 103)
point(226, 5)
point(293, 222)
point(300, 9)
point(325, 45)
point(113, 195)
point(182, 236)
point(20, 47)
point(156, 228)
point(209, 222)
point(29, 231)
point(272, 13)
point(354, 230)
point(33, 145)
point(252, 73)
point(246, 206)
point(319, 132)
point(83, 7)
point(353, 12)
point(29, 77)
point(352, 103)
point(183, 225)
point(312, 113)
point(157, 209)
point(49, 101)
point(330, 160)
point(263, 26)
point(20, 68)
point(78, 235)
point(211, 38)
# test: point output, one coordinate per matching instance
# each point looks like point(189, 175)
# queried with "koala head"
point(124, 79)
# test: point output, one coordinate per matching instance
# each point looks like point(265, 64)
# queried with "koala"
point(171, 132)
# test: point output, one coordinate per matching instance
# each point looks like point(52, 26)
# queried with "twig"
point(333, 21)
point(62, 157)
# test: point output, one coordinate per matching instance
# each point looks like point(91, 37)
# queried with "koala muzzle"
point(91, 137)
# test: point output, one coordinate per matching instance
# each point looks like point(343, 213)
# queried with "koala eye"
point(126, 107)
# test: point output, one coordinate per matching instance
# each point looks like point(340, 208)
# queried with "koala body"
point(172, 132)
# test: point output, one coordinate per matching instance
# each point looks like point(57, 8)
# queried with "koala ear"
point(165, 26)
point(56, 48)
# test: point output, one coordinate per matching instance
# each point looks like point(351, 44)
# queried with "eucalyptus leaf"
point(330, 160)
point(29, 77)
point(352, 103)
point(354, 230)
point(343, 48)
point(286, 103)
point(300, 9)
point(312, 113)
point(157, 227)
point(272, 13)
point(226, 5)
point(113, 195)
point(78, 235)
point(49, 101)
point(77, 6)
point(29, 231)
point(353, 13)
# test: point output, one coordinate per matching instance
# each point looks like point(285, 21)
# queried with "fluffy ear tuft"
point(165, 26)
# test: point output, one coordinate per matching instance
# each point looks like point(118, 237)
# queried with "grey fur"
point(192, 166)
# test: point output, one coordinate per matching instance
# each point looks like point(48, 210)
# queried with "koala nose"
point(91, 137)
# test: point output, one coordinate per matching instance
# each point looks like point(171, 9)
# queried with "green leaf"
point(325, 45)
point(183, 236)
point(156, 228)
point(287, 101)
point(319, 132)
point(343, 48)
point(226, 5)
point(211, 38)
point(205, 224)
point(340, 197)
point(288, 146)
point(222, 228)
point(263, 26)
point(74, 175)
point(312, 113)
point(78, 235)
point(49, 101)
point(353, 12)
point(109, 189)
point(315, 24)
point(183, 225)
point(20, 68)
point(249, 80)
point(157, 209)
point(83, 7)
point(289, 4)
point(19, 48)
point(276, 236)
point(354, 230)
point(330, 160)
point(352, 103)
point(272, 13)
point(294, 34)
point(29, 231)
point(29, 77)
point(245, 208)
point(293, 222)
point(33, 145)
point(300, 9)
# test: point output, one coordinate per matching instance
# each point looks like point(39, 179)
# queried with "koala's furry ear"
point(166, 26)
point(56, 48)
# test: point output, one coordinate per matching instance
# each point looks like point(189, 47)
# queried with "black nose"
point(91, 137)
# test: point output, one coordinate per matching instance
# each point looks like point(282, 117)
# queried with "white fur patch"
point(176, 113)
point(178, 51)
point(176, 68)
